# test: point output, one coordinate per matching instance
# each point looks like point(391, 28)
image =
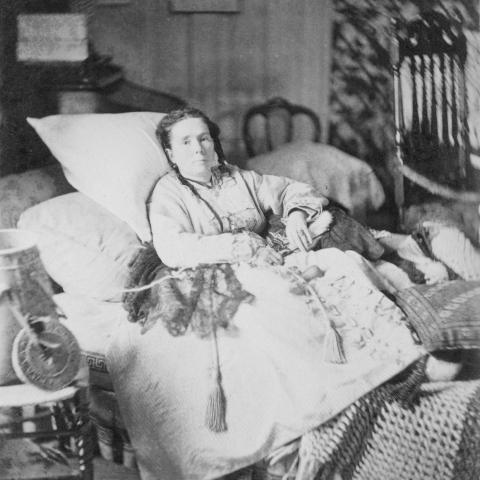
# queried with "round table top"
point(23, 395)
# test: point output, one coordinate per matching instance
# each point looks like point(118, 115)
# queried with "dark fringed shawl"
point(198, 300)
point(145, 267)
point(193, 297)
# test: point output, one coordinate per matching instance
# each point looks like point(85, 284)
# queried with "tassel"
point(216, 408)
point(333, 344)
point(217, 403)
point(333, 347)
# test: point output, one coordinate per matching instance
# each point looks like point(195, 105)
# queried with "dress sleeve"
point(179, 246)
point(282, 195)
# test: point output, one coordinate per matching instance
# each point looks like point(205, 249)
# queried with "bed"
point(90, 227)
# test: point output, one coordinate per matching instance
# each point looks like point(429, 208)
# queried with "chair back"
point(430, 105)
point(276, 122)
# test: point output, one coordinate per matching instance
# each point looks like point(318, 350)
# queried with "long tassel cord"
point(215, 415)
point(175, 275)
point(333, 344)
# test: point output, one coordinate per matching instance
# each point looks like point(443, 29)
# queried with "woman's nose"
point(197, 146)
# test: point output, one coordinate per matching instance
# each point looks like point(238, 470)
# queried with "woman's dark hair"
point(165, 125)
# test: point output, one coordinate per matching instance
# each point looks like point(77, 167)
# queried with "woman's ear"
point(168, 153)
point(216, 156)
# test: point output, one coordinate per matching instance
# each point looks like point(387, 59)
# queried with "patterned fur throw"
point(342, 232)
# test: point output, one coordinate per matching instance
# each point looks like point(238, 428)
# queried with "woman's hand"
point(267, 256)
point(297, 231)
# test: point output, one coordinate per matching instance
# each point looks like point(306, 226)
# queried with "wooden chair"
point(278, 121)
point(50, 427)
point(430, 104)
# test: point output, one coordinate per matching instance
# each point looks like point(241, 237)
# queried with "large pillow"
point(114, 159)
point(346, 179)
point(84, 248)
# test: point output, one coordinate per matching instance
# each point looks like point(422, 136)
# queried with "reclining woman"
point(292, 351)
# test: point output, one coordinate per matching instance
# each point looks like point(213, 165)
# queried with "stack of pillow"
point(87, 238)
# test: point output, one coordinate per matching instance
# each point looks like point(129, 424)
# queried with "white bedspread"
point(275, 379)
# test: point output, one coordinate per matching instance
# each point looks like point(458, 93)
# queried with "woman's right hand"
point(267, 256)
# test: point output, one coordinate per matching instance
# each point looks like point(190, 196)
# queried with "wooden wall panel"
point(205, 60)
point(224, 63)
point(284, 47)
point(165, 62)
point(316, 79)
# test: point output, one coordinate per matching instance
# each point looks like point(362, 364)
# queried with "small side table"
point(57, 419)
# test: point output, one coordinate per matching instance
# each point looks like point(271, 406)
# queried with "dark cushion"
point(446, 315)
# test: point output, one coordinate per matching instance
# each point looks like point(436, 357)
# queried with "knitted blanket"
point(378, 437)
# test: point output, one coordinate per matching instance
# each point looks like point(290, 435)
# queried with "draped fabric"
point(277, 383)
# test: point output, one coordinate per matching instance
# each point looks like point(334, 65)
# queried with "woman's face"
point(192, 149)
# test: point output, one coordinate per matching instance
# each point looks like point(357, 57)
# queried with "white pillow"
point(83, 247)
point(115, 159)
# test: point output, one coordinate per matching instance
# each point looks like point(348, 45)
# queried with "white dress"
point(277, 383)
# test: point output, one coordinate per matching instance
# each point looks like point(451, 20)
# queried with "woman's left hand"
point(297, 231)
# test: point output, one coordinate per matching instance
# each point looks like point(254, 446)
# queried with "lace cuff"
point(245, 245)
point(312, 206)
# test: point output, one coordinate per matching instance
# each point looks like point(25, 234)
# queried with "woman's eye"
point(206, 139)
